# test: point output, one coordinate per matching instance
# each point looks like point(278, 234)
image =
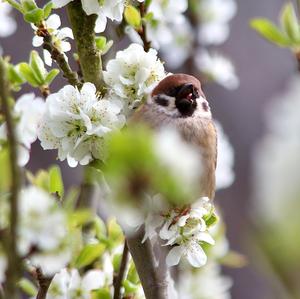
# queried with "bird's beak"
point(185, 91)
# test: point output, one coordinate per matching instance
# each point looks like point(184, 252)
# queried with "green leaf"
point(133, 16)
point(100, 227)
point(270, 32)
point(100, 42)
point(132, 275)
point(147, 3)
point(28, 5)
point(37, 65)
point(47, 9)
point(211, 220)
point(28, 287)
point(103, 45)
point(130, 287)
point(14, 76)
point(149, 17)
point(101, 294)
point(290, 23)
point(41, 179)
point(34, 16)
point(89, 254)
point(79, 218)
point(117, 262)
point(56, 184)
point(28, 74)
point(51, 76)
point(115, 232)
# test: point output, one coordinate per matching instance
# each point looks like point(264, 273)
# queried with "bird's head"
point(182, 95)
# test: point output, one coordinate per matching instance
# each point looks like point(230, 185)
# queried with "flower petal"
point(174, 256)
point(196, 255)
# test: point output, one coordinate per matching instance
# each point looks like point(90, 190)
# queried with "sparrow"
point(178, 101)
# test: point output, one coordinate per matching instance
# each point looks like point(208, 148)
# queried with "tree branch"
point(44, 283)
point(60, 59)
point(298, 60)
point(83, 27)
point(122, 272)
point(89, 56)
point(14, 262)
point(153, 276)
point(143, 30)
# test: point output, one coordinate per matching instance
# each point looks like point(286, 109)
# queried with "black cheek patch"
point(186, 107)
point(161, 101)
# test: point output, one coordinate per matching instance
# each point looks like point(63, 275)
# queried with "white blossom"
point(217, 68)
point(205, 283)
point(169, 29)
point(8, 24)
point(68, 284)
point(59, 37)
point(77, 123)
point(214, 16)
point(105, 9)
point(276, 159)
point(186, 230)
point(225, 161)
point(179, 49)
point(166, 14)
point(27, 112)
point(43, 225)
point(133, 73)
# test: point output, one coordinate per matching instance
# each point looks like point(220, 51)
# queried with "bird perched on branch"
point(178, 101)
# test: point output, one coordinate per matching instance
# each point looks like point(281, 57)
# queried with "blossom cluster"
point(42, 233)
point(186, 230)
point(168, 29)
point(68, 283)
point(214, 17)
point(58, 37)
point(71, 283)
point(133, 74)
point(27, 114)
point(77, 122)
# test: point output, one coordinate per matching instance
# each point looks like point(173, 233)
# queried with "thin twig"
point(14, 263)
point(143, 30)
point(44, 283)
point(298, 60)
point(61, 61)
point(122, 272)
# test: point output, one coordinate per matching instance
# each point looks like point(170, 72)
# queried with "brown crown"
point(176, 80)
